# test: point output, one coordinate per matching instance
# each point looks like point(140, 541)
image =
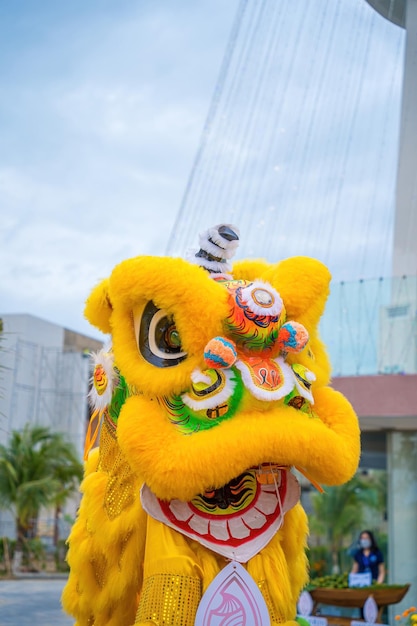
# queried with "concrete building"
point(43, 380)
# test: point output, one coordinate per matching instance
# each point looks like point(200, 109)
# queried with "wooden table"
point(356, 597)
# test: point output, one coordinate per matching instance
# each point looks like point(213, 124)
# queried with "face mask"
point(365, 543)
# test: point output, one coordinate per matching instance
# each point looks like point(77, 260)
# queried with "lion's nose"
point(220, 353)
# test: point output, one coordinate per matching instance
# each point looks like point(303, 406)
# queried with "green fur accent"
point(120, 393)
point(190, 421)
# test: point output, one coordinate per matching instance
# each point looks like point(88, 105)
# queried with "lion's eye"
point(159, 341)
point(172, 337)
point(262, 299)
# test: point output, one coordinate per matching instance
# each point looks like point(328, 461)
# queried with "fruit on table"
point(341, 581)
point(336, 581)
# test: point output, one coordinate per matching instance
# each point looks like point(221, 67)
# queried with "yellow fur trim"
point(250, 269)
point(175, 466)
point(283, 559)
point(98, 308)
point(105, 556)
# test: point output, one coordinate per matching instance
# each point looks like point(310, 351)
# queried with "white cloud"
point(102, 109)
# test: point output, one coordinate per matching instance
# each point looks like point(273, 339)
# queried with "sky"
point(302, 149)
point(102, 112)
point(102, 104)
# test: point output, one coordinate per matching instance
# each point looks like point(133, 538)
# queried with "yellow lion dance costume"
point(215, 387)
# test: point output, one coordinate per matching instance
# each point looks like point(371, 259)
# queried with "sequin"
point(99, 565)
point(276, 617)
point(120, 487)
point(169, 600)
point(123, 545)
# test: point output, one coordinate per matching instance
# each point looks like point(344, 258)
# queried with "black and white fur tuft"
point(217, 246)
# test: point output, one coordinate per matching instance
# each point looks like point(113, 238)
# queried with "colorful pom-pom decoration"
point(220, 352)
point(102, 380)
point(292, 337)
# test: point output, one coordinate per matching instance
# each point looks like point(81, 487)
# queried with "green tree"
point(38, 468)
point(339, 512)
point(378, 482)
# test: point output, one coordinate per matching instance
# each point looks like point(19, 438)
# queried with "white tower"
point(398, 344)
point(404, 14)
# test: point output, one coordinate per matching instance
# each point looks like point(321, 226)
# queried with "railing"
point(370, 326)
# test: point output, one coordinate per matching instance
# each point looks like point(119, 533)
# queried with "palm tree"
point(339, 512)
point(38, 468)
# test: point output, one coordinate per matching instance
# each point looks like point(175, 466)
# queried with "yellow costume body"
point(214, 388)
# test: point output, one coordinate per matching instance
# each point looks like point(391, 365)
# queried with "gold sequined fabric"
point(99, 565)
point(120, 487)
point(276, 617)
point(169, 600)
point(122, 549)
point(108, 445)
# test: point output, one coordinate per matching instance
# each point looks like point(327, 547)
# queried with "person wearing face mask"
point(369, 558)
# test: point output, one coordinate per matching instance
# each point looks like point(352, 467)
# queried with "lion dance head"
point(213, 394)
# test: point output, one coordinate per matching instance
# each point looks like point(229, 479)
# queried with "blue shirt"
point(369, 563)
